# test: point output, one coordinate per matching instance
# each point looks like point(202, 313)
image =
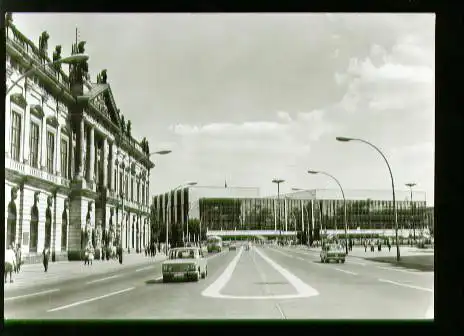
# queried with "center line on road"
point(345, 271)
point(90, 300)
point(103, 279)
point(32, 294)
point(406, 285)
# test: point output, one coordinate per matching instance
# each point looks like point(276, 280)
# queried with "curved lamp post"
point(73, 59)
point(278, 182)
point(344, 202)
point(169, 209)
point(345, 139)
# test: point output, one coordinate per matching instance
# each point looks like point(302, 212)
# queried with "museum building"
point(74, 174)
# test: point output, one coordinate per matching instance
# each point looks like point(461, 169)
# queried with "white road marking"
point(90, 300)
point(32, 294)
point(299, 258)
point(285, 254)
point(406, 285)
point(103, 279)
point(355, 262)
point(145, 268)
point(214, 289)
point(345, 271)
point(401, 270)
point(302, 288)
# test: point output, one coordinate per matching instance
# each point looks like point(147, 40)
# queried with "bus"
point(214, 244)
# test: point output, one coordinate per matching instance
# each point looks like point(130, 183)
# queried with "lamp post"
point(278, 182)
point(411, 185)
point(169, 209)
point(344, 202)
point(345, 139)
point(73, 59)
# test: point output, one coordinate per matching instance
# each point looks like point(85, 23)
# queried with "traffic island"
point(424, 263)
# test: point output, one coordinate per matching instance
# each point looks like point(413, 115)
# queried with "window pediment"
point(52, 121)
point(37, 110)
point(18, 99)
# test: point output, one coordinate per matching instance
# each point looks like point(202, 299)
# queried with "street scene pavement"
point(265, 282)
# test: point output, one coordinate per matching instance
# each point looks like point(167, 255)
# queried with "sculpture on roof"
point(129, 128)
point(78, 72)
point(8, 18)
point(123, 124)
point(57, 57)
point(102, 77)
point(43, 43)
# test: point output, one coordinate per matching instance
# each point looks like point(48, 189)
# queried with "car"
point(333, 252)
point(185, 263)
point(232, 247)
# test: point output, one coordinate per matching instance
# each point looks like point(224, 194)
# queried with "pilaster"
point(92, 154)
point(82, 144)
point(105, 153)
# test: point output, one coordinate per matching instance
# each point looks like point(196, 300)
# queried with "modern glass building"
point(308, 212)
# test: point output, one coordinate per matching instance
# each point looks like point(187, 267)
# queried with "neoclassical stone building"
point(74, 174)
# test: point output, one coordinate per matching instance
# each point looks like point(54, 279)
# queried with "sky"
point(246, 98)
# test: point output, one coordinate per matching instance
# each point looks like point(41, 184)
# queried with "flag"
point(225, 184)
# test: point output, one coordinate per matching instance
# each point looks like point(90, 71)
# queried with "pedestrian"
point(18, 258)
point(45, 257)
point(365, 246)
point(389, 246)
point(91, 255)
point(10, 261)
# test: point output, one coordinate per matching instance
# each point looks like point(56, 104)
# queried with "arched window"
point(64, 231)
point(34, 228)
point(48, 227)
point(11, 224)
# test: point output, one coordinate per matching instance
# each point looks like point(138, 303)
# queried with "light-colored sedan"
point(185, 263)
point(333, 252)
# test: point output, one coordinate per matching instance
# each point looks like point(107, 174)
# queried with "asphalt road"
point(263, 283)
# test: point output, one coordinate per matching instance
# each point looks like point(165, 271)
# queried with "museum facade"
point(74, 174)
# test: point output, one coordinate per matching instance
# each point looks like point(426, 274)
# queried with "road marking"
point(90, 300)
point(103, 279)
point(214, 289)
point(400, 270)
point(345, 271)
point(303, 290)
point(285, 254)
point(145, 268)
point(32, 294)
point(406, 285)
point(299, 258)
point(355, 262)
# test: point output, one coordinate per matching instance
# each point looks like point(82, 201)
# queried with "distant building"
point(68, 160)
point(305, 211)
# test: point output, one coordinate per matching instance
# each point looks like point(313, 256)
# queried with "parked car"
point(333, 252)
point(186, 263)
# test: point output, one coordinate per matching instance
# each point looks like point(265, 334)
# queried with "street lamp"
point(344, 202)
point(73, 59)
point(411, 185)
point(161, 152)
point(345, 139)
point(278, 182)
point(169, 209)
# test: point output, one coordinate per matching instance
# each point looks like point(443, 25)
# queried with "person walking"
point(10, 263)
point(18, 258)
point(45, 257)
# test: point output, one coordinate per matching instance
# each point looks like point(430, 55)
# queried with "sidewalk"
point(33, 274)
point(411, 257)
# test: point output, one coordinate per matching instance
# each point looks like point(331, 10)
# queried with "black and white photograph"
point(219, 166)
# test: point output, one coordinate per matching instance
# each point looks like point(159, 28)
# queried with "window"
point(126, 189)
point(34, 145)
point(64, 231)
point(132, 189)
point(143, 194)
point(15, 135)
point(64, 158)
point(121, 185)
point(138, 192)
point(50, 151)
point(115, 180)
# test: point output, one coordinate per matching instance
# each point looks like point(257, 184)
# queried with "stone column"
point(27, 130)
point(111, 163)
point(58, 151)
point(105, 162)
point(7, 126)
point(91, 176)
point(82, 149)
point(43, 152)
